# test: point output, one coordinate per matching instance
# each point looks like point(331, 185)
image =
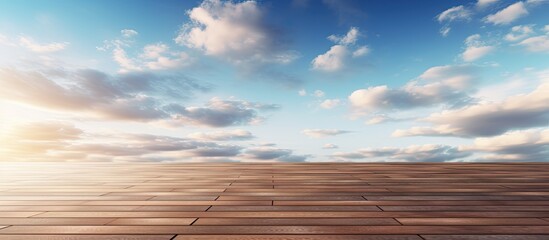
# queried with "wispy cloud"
point(319, 133)
point(414, 153)
point(31, 45)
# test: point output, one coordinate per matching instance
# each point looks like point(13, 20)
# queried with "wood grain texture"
point(274, 201)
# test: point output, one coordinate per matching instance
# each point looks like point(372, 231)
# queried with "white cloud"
point(339, 55)
point(302, 92)
point(528, 145)
point(536, 44)
point(438, 85)
point(361, 51)
point(475, 48)
point(350, 38)
point(488, 119)
point(331, 61)
point(157, 56)
point(474, 53)
point(519, 32)
point(329, 146)
point(381, 118)
point(508, 14)
point(234, 31)
point(128, 33)
point(413, 153)
point(485, 3)
point(30, 44)
point(444, 31)
point(320, 133)
point(330, 103)
point(234, 135)
point(454, 13)
point(546, 28)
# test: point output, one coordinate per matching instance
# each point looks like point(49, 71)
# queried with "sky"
point(274, 81)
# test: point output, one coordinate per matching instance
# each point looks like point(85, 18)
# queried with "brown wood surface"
point(274, 201)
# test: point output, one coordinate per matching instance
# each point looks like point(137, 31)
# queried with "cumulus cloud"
point(488, 118)
point(268, 153)
point(330, 103)
point(31, 45)
point(519, 32)
point(475, 48)
point(234, 31)
point(536, 44)
point(157, 56)
point(454, 13)
point(438, 85)
point(339, 55)
point(302, 92)
point(234, 135)
point(508, 14)
point(320, 133)
point(414, 153)
point(528, 145)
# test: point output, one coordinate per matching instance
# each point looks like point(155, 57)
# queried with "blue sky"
point(267, 81)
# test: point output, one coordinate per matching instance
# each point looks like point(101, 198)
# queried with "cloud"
point(320, 133)
point(529, 145)
point(157, 56)
point(61, 141)
point(350, 38)
point(488, 119)
point(319, 93)
point(220, 113)
point(414, 153)
point(485, 3)
point(382, 118)
point(331, 61)
point(31, 45)
point(130, 97)
point(128, 33)
point(234, 135)
point(266, 153)
point(339, 55)
point(302, 92)
point(475, 48)
point(438, 85)
point(330, 103)
point(361, 51)
point(508, 14)
point(454, 14)
point(444, 31)
point(536, 44)
point(329, 146)
point(234, 31)
point(519, 32)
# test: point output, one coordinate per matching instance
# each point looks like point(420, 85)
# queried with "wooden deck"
point(274, 201)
